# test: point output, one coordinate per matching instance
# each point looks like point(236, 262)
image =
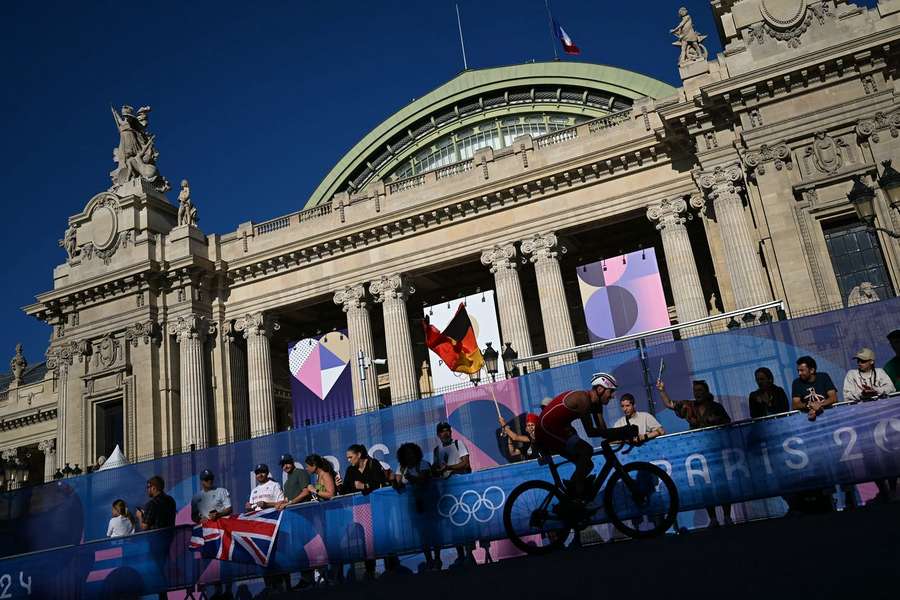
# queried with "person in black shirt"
point(365, 474)
point(812, 392)
point(769, 399)
point(159, 512)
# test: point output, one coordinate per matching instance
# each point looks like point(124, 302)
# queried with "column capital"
point(778, 153)
point(541, 246)
point(723, 181)
point(229, 332)
point(257, 323)
point(47, 446)
point(669, 212)
point(499, 257)
point(390, 287)
point(351, 297)
point(191, 326)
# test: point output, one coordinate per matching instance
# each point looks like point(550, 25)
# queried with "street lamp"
point(475, 378)
point(490, 360)
point(890, 183)
point(509, 355)
point(862, 197)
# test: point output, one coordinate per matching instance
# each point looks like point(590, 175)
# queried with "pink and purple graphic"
point(623, 295)
point(321, 388)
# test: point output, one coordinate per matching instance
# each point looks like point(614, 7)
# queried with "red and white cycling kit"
point(554, 432)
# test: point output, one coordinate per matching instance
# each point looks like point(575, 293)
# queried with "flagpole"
point(552, 31)
point(462, 42)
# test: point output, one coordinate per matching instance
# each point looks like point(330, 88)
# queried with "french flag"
point(568, 45)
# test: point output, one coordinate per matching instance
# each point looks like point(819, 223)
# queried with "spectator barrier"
point(743, 461)
point(78, 508)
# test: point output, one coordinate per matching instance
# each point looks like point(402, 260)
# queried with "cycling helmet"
point(604, 380)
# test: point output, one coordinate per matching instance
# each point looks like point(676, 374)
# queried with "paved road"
point(851, 555)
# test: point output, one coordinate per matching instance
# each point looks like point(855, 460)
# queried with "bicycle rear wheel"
point(533, 511)
point(645, 505)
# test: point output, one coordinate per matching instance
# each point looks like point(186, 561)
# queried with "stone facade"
point(746, 163)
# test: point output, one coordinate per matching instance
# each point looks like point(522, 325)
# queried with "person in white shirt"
point(121, 523)
point(648, 426)
point(866, 381)
point(451, 457)
point(267, 492)
point(211, 502)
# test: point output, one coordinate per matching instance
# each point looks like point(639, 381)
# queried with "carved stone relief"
point(787, 20)
point(869, 128)
point(827, 154)
point(777, 154)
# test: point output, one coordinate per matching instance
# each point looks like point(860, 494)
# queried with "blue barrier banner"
point(743, 461)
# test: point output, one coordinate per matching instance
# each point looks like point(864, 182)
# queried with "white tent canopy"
point(116, 459)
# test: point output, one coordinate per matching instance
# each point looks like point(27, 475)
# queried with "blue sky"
point(253, 102)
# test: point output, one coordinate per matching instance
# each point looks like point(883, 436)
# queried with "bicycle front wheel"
point(532, 518)
point(643, 502)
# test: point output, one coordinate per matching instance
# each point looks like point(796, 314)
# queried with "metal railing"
point(751, 315)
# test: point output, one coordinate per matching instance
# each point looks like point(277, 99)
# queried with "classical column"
point(190, 333)
point(391, 291)
point(258, 328)
point(670, 217)
point(48, 447)
point(513, 321)
point(237, 379)
point(554, 310)
point(722, 187)
point(359, 329)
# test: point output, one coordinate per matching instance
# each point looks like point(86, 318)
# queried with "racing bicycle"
point(640, 499)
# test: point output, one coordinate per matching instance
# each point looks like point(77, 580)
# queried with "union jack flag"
point(247, 538)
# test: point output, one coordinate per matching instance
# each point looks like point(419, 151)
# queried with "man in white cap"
point(866, 381)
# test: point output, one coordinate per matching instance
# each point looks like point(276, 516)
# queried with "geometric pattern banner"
point(321, 387)
point(622, 295)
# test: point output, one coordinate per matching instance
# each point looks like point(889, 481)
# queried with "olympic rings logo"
point(471, 505)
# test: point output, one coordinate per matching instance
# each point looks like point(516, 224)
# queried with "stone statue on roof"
point(187, 212)
point(136, 154)
point(690, 42)
point(18, 364)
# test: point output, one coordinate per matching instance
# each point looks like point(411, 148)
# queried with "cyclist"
point(555, 434)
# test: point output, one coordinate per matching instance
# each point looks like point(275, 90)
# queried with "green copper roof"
point(469, 86)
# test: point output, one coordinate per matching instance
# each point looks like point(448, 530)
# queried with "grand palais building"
point(166, 336)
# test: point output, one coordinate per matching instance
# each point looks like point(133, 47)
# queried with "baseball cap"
point(286, 459)
point(865, 354)
point(261, 468)
point(442, 426)
point(206, 475)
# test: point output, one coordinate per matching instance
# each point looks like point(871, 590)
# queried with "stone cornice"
point(842, 58)
point(39, 416)
point(595, 167)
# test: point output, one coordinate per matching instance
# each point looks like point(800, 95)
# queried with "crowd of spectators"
point(812, 392)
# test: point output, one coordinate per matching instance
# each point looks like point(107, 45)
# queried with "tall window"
point(109, 427)
point(857, 258)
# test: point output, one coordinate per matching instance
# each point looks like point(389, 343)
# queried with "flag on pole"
point(568, 45)
point(456, 345)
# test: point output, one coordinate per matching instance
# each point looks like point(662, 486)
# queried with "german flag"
point(456, 345)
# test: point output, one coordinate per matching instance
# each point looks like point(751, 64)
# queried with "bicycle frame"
point(612, 463)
